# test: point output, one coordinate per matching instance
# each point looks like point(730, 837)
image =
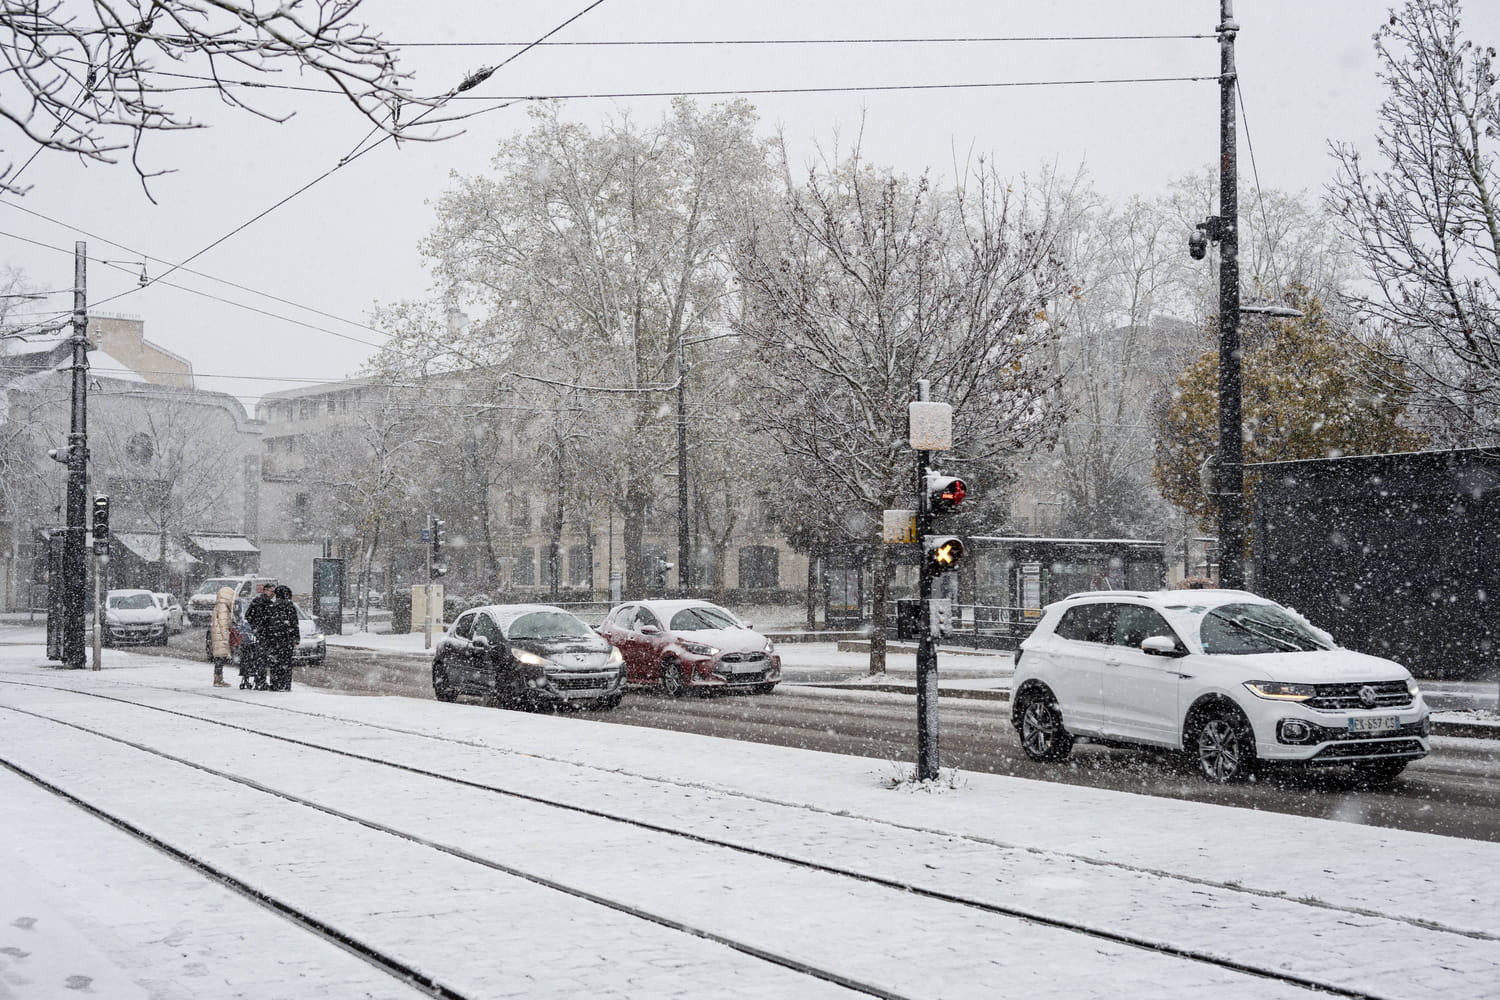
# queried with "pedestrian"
point(282, 633)
point(253, 665)
point(219, 623)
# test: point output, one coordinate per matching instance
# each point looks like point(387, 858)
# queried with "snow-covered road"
point(498, 853)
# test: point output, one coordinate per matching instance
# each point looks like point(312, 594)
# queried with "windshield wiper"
point(1243, 626)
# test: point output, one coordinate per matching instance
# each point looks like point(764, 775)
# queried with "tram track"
point(1032, 915)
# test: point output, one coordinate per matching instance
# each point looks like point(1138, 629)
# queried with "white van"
point(201, 605)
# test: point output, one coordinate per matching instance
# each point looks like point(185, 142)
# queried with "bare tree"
point(594, 258)
point(94, 79)
point(1426, 224)
point(871, 281)
point(167, 467)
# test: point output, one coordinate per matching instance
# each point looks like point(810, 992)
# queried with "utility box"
point(909, 620)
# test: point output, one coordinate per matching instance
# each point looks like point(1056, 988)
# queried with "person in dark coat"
point(282, 633)
point(253, 662)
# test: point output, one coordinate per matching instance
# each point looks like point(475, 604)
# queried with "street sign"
point(930, 426)
point(898, 526)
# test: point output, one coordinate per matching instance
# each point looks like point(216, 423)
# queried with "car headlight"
point(528, 658)
point(1281, 691)
point(1412, 688)
point(770, 646)
point(700, 649)
point(615, 656)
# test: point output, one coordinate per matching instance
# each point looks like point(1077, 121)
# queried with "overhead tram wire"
point(200, 274)
point(941, 40)
point(345, 161)
point(208, 295)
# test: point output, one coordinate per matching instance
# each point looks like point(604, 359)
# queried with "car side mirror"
point(1161, 645)
point(749, 625)
point(479, 643)
point(650, 630)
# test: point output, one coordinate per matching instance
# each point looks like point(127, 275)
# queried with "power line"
point(939, 40)
point(200, 274)
point(762, 91)
point(468, 82)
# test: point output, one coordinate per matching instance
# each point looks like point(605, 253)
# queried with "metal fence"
point(985, 626)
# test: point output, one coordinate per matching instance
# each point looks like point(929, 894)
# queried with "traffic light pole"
point(427, 593)
point(927, 695)
point(75, 564)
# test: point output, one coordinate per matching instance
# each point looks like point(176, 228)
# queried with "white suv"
point(1223, 675)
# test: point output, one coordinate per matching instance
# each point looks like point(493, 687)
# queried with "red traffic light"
point(944, 493)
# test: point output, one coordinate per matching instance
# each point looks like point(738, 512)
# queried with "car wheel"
point(1223, 744)
point(672, 684)
point(442, 686)
point(1379, 772)
point(1040, 727)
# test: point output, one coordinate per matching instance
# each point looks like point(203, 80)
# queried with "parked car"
point(132, 618)
point(176, 616)
point(200, 606)
point(312, 648)
point(682, 645)
point(524, 655)
point(1229, 678)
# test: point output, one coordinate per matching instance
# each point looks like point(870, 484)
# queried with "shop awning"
point(147, 546)
point(223, 543)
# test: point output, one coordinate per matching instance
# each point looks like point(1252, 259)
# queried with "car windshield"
point(131, 602)
point(212, 586)
point(1256, 628)
point(694, 619)
point(547, 625)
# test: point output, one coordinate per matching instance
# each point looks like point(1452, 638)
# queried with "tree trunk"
point(881, 582)
point(812, 590)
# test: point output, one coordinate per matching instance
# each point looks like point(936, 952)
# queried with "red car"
point(680, 645)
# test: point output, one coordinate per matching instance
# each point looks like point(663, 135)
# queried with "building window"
point(520, 510)
point(758, 567)
point(523, 572)
point(332, 403)
point(580, 566)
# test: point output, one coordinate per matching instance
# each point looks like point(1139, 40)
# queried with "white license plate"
point(1375, 724)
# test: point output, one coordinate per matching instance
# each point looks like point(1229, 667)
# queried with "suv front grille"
point(1345, 697)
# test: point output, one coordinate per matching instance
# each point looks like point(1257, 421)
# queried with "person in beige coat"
point(218, 632)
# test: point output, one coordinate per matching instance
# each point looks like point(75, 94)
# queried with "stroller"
point(252, 654)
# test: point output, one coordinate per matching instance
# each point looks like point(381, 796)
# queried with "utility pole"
point(1231, 482)
point(75, 564)
point(684, 544)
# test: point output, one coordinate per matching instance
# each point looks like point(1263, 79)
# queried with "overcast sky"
point(315, 266)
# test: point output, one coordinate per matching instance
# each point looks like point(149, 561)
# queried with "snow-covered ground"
point(509, 854)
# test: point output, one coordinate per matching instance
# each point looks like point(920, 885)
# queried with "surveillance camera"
point(1198, 244)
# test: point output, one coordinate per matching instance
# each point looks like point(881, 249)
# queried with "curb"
point(1462, 730)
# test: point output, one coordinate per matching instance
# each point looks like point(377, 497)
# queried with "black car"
point(527, 655)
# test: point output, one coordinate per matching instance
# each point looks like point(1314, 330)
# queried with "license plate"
point(1375, 724)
